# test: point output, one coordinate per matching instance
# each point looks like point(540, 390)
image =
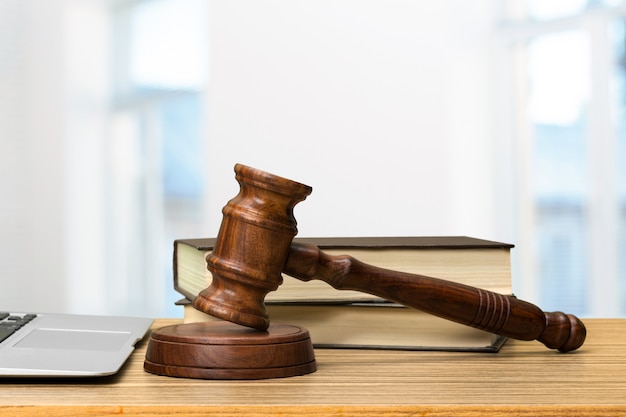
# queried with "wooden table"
point(524, 378)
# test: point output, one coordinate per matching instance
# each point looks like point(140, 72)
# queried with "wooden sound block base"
point(224, 350)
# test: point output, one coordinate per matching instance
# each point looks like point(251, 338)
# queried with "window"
point(156, 189)
point(569, 91)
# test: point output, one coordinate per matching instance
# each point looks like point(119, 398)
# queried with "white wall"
point(383, 107)
point(52, 114)
point(32, 185)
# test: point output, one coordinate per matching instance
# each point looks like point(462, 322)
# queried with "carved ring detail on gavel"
point(254, 246)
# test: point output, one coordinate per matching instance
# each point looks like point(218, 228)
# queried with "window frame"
point(603, 194)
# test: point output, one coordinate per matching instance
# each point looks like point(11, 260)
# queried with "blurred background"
point(121, 121)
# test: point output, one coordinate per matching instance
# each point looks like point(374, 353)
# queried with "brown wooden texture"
point(251, 247)
point(254, 245)
point(224, 350)
point(522, 380)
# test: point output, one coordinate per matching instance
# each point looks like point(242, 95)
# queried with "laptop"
point(66, 345)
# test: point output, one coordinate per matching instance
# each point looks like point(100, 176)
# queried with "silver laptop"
point(66, 345)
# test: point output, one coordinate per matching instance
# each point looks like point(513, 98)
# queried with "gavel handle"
point(486, 310)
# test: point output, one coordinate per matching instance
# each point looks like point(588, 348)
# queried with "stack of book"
point(351, 319)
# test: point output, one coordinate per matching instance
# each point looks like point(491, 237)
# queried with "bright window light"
point(166, 44)
point(552, 9)
point(559, 66)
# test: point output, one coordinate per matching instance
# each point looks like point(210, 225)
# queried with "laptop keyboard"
point(11, 323)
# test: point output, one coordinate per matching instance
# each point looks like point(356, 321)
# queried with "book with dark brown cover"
point(476, 262)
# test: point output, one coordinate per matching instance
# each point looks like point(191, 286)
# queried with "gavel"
point(254, 246)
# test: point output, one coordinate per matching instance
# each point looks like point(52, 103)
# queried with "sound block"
point(224, 350)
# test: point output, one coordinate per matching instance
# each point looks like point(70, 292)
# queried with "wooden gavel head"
point(251, 248)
